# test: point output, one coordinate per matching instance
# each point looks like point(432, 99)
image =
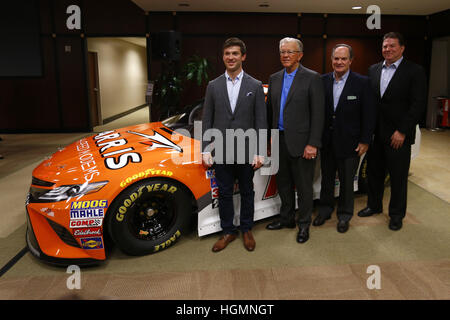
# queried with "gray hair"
point(287, 39)
point(350, 50)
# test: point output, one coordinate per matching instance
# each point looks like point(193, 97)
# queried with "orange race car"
point(139, 186)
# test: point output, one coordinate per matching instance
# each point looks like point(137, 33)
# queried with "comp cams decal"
point(128, 202)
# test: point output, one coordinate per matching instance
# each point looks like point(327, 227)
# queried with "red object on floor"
point(445, 106)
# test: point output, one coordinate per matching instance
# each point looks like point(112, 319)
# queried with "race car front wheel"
point(149, 216)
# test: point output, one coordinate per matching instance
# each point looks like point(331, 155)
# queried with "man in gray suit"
point(234, 106)
point(296, 105)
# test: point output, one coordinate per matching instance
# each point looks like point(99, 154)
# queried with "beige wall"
point(122, 68)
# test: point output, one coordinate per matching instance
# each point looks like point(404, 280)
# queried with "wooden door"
point(94, 92)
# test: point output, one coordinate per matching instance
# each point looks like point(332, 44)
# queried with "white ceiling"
point(404, 7)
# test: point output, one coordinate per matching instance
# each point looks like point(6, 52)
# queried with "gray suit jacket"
point(304, 110)
point(250, 113)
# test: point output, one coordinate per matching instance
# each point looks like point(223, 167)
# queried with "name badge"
point(351, 97)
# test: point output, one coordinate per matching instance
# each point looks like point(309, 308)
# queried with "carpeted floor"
point(414, 262)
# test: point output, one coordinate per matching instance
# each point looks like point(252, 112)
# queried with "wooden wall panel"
point(119, 17)
point(312, 24)
point(237, 23)
point(409, 26)
point(161, 21)
point(347, 25)
point(313, 53)
point(31, 103)
point(438, 24)
point(366, 51)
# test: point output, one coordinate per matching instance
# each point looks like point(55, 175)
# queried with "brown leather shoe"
point(249, 241)
point(223, 242)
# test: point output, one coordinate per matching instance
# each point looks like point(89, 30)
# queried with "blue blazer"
point(354, 120)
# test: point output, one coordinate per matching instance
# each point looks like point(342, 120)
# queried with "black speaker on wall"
point(166, 45)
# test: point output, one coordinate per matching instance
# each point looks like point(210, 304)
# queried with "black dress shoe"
point(367, 212)
point(395, 224)
point(319, 220)
point(277, 225)
point(342, 226)
point(303, 235)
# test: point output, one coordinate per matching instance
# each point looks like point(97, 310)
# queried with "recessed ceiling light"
point(356, 7)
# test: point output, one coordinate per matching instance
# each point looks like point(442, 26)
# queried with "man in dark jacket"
point(400, 89)
point(349, 123)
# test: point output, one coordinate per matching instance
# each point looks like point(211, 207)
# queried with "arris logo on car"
point(110, 139)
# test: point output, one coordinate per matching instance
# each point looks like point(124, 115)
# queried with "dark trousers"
point(226, 174)
point(298, 173)
point(346, 169)
point(382, 159)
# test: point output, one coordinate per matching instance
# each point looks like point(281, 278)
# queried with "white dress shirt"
point(387, 73)
point(233, 87)
point(338, 86)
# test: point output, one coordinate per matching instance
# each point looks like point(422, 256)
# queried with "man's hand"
point(397, 139)
point(207, 160)
point(258, 161)
point(362, 148)
point(310, 152)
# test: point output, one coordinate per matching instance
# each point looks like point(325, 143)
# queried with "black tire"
point(363, 186)
point(149, 216)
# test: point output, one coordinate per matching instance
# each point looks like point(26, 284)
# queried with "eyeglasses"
point(288, 52)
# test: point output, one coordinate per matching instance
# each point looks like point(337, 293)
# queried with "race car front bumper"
point(35, 249)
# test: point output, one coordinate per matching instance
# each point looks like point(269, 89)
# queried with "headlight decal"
point(69, 191)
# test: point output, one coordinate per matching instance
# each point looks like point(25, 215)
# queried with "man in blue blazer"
point(349, 124)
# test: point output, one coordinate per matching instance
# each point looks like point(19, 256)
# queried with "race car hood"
point(97, 157)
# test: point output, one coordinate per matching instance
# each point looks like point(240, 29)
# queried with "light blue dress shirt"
point(287, 82)
point(338, 86)
point(387, 73)
point(233, 87)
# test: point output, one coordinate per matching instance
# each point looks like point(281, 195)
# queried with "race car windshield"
point(185, 120)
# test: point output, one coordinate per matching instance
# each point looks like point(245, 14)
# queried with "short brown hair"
point(231, 42)
point(395, 35)
point(350, 50)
